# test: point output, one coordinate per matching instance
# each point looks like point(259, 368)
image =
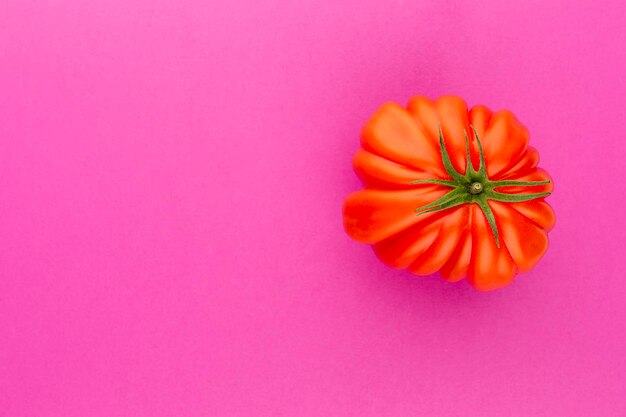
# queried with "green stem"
point(475, 186)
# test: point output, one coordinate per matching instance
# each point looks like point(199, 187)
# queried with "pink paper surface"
point(171, 181)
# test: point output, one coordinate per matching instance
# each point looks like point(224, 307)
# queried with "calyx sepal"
point(474, 186)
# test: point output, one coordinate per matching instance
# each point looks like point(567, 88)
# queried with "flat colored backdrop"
point(171, 243)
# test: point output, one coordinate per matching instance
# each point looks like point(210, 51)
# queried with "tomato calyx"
point(474, 187)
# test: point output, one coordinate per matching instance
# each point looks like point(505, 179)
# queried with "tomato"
point(450, 190)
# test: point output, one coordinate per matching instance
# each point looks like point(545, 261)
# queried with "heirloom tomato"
point(450, 190)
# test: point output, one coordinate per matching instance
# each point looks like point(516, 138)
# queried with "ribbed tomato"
point(451, 190)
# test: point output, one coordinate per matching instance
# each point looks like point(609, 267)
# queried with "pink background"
point(171, 177)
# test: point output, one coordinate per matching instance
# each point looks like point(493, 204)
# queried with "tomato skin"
point(400, 145)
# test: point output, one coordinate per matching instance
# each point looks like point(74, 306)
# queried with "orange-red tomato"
point(436, 200)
